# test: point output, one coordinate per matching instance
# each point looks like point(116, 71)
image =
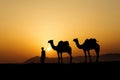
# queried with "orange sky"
point(27, 25)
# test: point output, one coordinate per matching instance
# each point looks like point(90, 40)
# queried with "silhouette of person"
point(43, 55)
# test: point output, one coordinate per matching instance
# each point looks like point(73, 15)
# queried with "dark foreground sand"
point(81, 71)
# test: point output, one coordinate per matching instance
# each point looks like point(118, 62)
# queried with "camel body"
point(62, 47)
point(88, 45)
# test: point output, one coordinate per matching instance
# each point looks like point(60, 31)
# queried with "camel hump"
point(90, 41)
point(66, 42)
point(63, 43)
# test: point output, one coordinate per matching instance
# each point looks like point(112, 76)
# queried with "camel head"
point(52, 44)
point(76, 39)
point(50, 41)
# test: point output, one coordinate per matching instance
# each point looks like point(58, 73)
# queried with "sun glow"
point(48, 48)
point(30, 24)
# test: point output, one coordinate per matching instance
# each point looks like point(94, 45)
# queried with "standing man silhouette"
point(43, 55)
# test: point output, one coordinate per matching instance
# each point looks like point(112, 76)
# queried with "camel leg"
point(89, 55)
point(97, 56)
point(70, 58)
point(97, 50)
point(85, 56)
point(61, 57)
point(58, 58)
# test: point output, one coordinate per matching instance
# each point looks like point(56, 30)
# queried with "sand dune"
point(78, 59)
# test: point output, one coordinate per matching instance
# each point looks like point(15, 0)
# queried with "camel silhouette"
point(87, 46)
point(63, 46)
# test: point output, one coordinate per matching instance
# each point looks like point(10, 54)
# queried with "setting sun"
point(27, 25)
point(48, 48)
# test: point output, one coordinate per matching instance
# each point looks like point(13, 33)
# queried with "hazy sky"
point(27, 25)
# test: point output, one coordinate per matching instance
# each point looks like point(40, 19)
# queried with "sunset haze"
point(27, 25)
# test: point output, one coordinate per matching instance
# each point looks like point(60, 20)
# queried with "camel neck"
point(78, 45)
point(53, 46)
